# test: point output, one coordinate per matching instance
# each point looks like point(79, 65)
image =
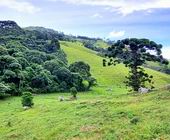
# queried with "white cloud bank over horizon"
point(166, 52)
point(20, 6)
point(124, 7)
point(116, 34)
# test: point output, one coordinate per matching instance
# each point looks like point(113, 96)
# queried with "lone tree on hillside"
point(133, 53)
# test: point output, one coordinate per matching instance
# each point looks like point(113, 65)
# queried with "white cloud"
point(115, 34)
point(124, 7)
point(20, 6)
point(97, 15)
point(166, 52)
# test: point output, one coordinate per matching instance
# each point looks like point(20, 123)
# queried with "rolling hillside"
point(106, 112)
point(100, 114)
point(106, 76)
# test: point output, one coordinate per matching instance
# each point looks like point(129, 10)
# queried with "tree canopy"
point(34, 61)
point(133, 53)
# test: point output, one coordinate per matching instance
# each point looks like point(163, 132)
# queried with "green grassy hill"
point(106, 76)
point(101, 44)
point(100, 114)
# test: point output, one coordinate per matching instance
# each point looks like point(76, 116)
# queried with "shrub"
point(73, 91)
point(3, 89)
point(27, 99)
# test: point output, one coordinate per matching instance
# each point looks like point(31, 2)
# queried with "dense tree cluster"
point(134, 53)
point(32, 63)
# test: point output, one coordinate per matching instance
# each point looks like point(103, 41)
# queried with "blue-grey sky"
point(114, 19)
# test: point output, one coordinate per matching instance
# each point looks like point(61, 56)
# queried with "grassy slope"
point(101, 44)
point(108, 76)
point(98, 115)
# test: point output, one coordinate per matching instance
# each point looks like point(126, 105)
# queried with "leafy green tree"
point(14, 46)
point(35, 56)
point(14, 77)
point(84, 70)
point(3, 51)
point(23, 62)
point(16, 67)
point(73, 91)
point(42, 81)
point(27, 99)
point(63, 86)
point(78, 81)
point(133, 53)
point(5, 61)
point(53, 65)
point(53, 46)
point(80, 67)
point(3, 89)
point(63, 74)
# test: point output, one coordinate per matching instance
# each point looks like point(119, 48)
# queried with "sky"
point(113, 19)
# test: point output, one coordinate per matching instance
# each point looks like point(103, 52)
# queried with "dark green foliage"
point(44, 33)
point(78, 81)
point(5, 61)
point(63, 74)
point(41, 81)
point(53, 65)
point(63, 86)
point(73, 91)
point(3, 51)
point(10, 28)
point(33, 61)
point(134, 53)
point(80, 67)
point(3, 89)
point(84, 70)
point(53, 46)
point(23, 62)
point(13, 76)
point(27, 99)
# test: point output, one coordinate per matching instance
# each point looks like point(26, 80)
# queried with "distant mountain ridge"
point(12, 28)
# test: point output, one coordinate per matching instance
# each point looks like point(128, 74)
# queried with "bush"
point(14, 91)
point(3, 89)
point(73, 91)
point(27, 99)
